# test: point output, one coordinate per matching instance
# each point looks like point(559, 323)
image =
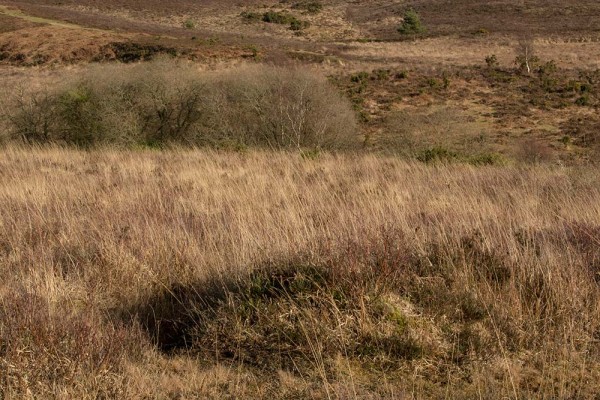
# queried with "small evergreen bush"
point(411, 24)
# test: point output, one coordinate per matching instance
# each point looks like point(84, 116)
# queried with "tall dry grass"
point(202, 274)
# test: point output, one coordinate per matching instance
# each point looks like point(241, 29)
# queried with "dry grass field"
point(219, 199)
point(202, 274)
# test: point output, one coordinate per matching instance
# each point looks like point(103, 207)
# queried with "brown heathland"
point(388, 214)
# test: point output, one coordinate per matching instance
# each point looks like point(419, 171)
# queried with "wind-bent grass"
point(345, 276)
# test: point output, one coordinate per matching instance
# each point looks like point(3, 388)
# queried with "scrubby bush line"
point(164, 102)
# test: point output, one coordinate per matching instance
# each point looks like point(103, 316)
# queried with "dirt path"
point(16, 13)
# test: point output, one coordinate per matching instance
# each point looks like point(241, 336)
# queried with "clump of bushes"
point(165, 102)
point(278, 17)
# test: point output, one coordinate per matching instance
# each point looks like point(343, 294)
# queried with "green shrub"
point(411, 24)
point(574, 86)
point(80, 115)
point(547, 68)
point(297, 25)
point(251, 16)
point(277, 17)
point(492, 61)
point(283, 18)
point(583, 100)
point(189, 24)
point(486, 159)
point(382, 74)
point(433, 83)
point(566, 140)
point(446, 81)
point(436, 154)
point(310, 7)
point(359, 77)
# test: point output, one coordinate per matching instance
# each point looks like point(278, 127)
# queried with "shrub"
point(492, 61)
point(382, 74)
point(251, 16)
point(583, 100)
point(189, 24)
point(297, 25)
point(575, 86)
point(433, 83)
point(411, 23)
point(547, 68)
point(437, 154)
point(486, 159)
point(276, 17)
point(34, 117)
point(284, 108)
point(310, 7)
point(360, 77)
point(80, 114)
point(533, 151)
point(166, 102)
point(526, 60)
point(446, 81)
point(402, 75)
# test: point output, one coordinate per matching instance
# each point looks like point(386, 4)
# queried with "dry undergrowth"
point(199, 274)
point(165, 102)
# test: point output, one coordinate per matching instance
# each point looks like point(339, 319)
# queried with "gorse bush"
point(164, 102)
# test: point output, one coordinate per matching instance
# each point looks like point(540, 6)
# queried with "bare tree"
point(526, 59)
